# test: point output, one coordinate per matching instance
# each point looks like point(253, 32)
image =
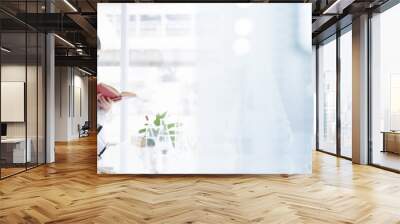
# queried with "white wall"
point(16, 73)
point(70, 84)
point(34, 125)
point(61, 103)
point(80, 103)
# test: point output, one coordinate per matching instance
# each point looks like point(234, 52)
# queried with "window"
point(327, 96)
point(385, 89)
point(346, 93)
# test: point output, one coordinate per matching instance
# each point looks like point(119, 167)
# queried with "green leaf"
point(151, 142)
point(173, 140)
point(143, 130)
point(162, 116)
point(171, 132)
point(169, 126)
point(157, 121)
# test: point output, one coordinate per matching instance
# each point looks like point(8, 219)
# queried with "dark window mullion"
point(317, 96)
point(338, 91)
point(37, 90)
point(369, 90)
point(0, 94)
point(26, 87)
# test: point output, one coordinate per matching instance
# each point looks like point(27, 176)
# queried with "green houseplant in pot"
point(159, 130)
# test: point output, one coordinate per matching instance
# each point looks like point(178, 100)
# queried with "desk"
point(13, 150)
point(391, 141)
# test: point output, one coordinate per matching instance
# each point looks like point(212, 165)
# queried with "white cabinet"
point(19, 155)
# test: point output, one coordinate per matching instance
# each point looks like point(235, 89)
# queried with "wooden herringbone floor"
point(70, 191)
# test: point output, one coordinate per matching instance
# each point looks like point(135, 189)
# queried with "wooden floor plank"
point(70, 191)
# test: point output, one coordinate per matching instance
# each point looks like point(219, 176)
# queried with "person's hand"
point(104, 103)
point(110, 92)
point(128, 94)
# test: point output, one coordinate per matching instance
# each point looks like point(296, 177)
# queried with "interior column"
point(360, 90)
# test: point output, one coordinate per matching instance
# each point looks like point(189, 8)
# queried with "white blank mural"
point(205, 88)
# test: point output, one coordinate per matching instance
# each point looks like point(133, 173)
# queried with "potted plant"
point(158, 130)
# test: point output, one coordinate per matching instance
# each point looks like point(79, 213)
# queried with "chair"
point(84, 130)
point(101, 145)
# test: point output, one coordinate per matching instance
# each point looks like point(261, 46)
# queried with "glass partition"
point(23, 90)
point(385, 89)
point(346, 93)
point(35, 50)
point(31, 97)
point(327, 96)
point(41, 97)
point(13, 114)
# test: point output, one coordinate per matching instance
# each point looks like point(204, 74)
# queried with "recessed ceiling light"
point(337, 7)
point(64, 40)
point(5, 50)
point(70, 5)
point(84, 71)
